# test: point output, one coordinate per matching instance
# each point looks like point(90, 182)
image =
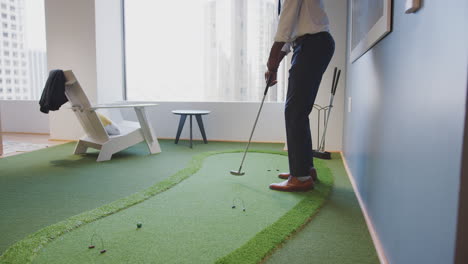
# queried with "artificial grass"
point(25, 250)
point(264, 242)
point(43, 187)
point(338, 233)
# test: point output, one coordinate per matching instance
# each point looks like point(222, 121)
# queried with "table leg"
point(190, 131)
point(181, 126)
point(202, 128)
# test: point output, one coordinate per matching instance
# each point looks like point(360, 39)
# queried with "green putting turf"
point(62, 185)
point(193, 222)
point(43, 187)
point(337, 234)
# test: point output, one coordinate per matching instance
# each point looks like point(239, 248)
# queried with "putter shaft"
point(251, 134)
point(239, 172)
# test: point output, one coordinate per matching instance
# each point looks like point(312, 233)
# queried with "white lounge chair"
point(131, 133)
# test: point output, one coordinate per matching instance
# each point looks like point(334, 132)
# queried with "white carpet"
point(13, 146)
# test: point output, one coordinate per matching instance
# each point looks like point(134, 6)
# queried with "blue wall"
point(404, 136)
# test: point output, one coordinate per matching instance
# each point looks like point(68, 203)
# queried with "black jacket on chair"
point(53, 95)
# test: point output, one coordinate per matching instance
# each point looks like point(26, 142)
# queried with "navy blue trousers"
point(312, 54)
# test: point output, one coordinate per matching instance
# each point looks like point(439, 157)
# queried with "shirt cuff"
point(286, 47)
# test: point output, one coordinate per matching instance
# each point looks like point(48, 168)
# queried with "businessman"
point(304, 27)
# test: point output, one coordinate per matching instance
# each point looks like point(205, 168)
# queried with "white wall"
point(337, 13)
point(232, 121)
point(227, 121)
point(71, 44)
point(109, 50)
point(23, 116)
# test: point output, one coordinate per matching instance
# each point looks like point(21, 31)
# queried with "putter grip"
point(267, 85)
point(333, 81)
point(336, 82)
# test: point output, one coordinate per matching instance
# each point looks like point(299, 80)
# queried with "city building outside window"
point(24, 49)
point(200, 50)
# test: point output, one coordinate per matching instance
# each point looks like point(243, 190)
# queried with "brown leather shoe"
point(313, 174)
point(293, 185)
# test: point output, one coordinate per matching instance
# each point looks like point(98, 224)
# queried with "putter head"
point(237, 173)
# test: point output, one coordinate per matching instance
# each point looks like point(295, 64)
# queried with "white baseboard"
point(375, 239)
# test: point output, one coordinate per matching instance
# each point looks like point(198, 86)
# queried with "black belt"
point(308, 36)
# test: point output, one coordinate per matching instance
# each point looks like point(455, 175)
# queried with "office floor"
point(338, 234)
point(34, 139)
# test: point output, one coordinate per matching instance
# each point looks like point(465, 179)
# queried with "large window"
point(199, 50)
point(23, 67)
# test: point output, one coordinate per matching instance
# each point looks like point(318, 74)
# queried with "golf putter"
point(240, 172)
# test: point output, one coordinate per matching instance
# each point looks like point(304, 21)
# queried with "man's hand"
point(276, 55)
point(270, 78)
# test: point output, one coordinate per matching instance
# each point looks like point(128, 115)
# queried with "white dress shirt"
point(300, 17)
